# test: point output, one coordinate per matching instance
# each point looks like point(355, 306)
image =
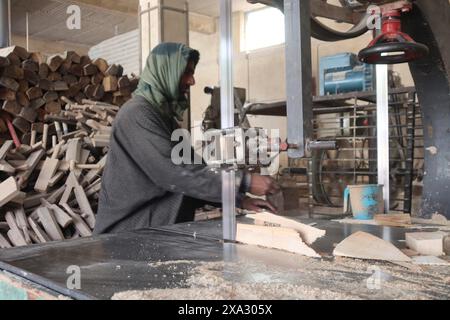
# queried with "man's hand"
point(263, 185)
point(257, 205)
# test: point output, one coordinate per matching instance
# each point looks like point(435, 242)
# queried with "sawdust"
point(341, 279)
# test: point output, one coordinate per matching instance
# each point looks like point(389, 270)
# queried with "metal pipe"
point(4, 23)
point(227, 113)
point(383, 132)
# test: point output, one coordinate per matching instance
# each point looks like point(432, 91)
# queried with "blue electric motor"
point(343, 73)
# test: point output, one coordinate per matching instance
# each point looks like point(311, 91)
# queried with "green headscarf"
point(160, 80)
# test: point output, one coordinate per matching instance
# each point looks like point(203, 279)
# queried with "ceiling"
point(101, 19)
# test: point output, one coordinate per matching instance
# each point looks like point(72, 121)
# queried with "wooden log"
point(101, 64)
point(99, 92)
point(31, 77)
point(76, 70)
point(51, 96)
point(45, 85)
point(23, 86)
point(54, 76)
point(30, 65)
point(4, 62)
point(72, 56)
point(12, 107)
point(53, 107)
point(123, 82)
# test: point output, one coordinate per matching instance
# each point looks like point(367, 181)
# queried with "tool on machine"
point(393, 46)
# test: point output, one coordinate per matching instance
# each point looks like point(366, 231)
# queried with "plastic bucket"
point(364, 201)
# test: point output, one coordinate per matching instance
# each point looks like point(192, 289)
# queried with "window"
point(263, 28)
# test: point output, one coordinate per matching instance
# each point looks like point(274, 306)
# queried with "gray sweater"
point(141, 187)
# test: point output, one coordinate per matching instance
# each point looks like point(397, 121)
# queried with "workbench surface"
point(170, 258)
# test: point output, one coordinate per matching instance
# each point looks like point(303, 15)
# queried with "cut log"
point(309, 234)
point(9, 83)
point(426, 243)
point(274, 237)
point(365, 246)
point(54, 62)
point(110, 84)
point(101, 64)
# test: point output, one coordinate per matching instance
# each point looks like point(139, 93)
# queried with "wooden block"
point(309, 234)
point(20, 52)
point(63, 219)
point(15, 235)
point(99, 92)
point(23, 86)
point(54, 76)
point(90, 69)
point(28, 114)
point(362, 245)
point(53, 107)
point(274, 237)
point(7, 94)
point(51, 96)
point(37, 103)
point(45, 85)
point(56, 178)
point(34, 93)
point(4, 62)
point(30, 65)
point(60, 86)
point(76, 70)
point(48, 171)
point(123, 82)
point(110, 83)
point(70, 79)
point(38, 57)
point(80, 225)
point(50, 224)
point(9, 83)
point(22, 124)
point(101, 64)
point(73, 152)
point(113, 70)
point(72, 56)
point(31, 163)
point(73, 90)
point(14, 72)
point(12, 107)
point(42, 236)
point(31, 77)
point(426, 243)
point(97, 79)
point(6, 146)
point(6, 167)
point(85, 60)
point(22, 99)
point(22, 224)
point(83, 202)
point(44, 71)
point(56, 195)
point(4, 244)
point(54, 62)
point(84, 81)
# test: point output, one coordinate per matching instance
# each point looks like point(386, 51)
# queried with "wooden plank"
point(309, 234)
point(63, 219)
point(362, 245)
point(80, 225)
point(83, 202)
point(6, 146)
point(31, 163)
point(9, 83)
point(73, 152)
point(47, 173)
point(426, 243)
point(4, 244)
point(23, 225)
point(15, 235)
point(50, 224)
point(274, 237)
point(6, 167)
point(9, 189)
point(42, 236)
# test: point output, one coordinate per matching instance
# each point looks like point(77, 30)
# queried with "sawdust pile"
point(341, 279)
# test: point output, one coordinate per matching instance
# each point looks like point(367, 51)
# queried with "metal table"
point(129, 261)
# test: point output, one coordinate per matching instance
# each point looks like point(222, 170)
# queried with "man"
point(141, 186)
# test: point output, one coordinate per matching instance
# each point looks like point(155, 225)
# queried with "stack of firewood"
point(55, 127)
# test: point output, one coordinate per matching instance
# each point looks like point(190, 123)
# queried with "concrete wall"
point(49, 47)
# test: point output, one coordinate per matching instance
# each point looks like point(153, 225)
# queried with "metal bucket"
point(364, 201)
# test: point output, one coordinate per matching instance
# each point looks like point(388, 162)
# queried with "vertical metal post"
point(28, 30)
point(298, 74)
point(227, 114)
point(383, 132)
point(4, 23)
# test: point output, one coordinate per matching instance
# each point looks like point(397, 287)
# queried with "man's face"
point(187, 80)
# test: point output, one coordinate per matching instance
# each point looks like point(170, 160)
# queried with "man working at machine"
point(141, 185)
